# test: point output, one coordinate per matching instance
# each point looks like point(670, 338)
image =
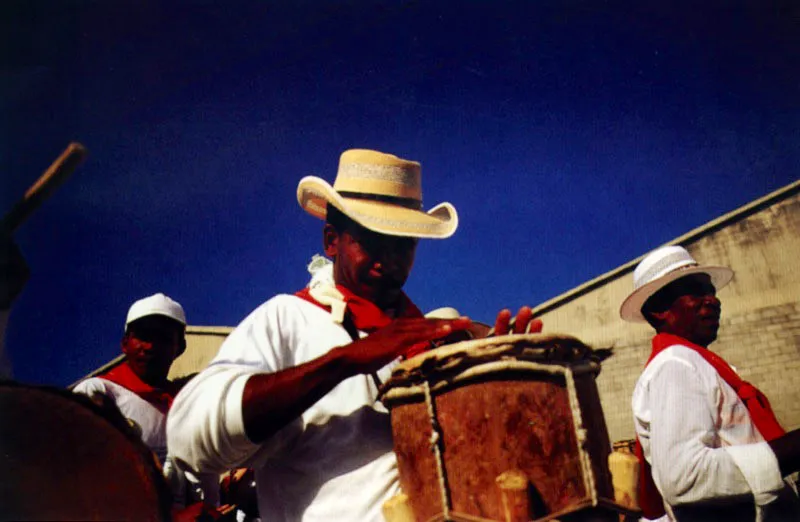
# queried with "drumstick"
point(45, 186)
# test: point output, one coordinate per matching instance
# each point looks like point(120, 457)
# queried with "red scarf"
point(368, 317)
point(756, 402)
point(124, 376)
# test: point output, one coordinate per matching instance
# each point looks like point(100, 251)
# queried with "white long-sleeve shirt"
point(151, 420)
point(334, 463)
point(703, 447)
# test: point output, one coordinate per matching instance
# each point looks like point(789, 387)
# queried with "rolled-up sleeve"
point(205, 427)
point(760, 468)
point(688, 464)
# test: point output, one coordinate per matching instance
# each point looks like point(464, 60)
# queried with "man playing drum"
point(293, 390)
point(709, 440)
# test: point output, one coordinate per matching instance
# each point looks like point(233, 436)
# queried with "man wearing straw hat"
point(709, 444)
point(293, 390)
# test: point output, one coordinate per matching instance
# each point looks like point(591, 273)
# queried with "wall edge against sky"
point(685, 239)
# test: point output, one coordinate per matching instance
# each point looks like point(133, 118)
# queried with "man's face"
point(693, 310)
point(151, 344)
point(371, 265)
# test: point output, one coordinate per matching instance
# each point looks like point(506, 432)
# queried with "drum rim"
point(464, 346)
point(450, 366)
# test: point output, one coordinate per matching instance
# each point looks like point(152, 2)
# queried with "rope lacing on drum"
point(437, 441)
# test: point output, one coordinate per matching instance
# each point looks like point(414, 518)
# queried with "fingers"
point(523, 318)
point(535, 326)
point(432, 329)
point(401, 338)
point(523, 322)
point(502, 322)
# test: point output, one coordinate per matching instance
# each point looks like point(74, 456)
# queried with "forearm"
point(272, 400)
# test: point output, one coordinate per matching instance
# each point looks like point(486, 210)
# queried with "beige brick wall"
point(760, 328)
point(202, 344)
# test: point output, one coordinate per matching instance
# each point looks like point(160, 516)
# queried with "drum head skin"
point(63, 457)
point(441, 363)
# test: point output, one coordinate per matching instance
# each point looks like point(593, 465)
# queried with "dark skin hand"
point(273, 400)
point(375, 267)
point(524, 323)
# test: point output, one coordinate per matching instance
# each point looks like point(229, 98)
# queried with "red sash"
point(368, 317)
point(756, 402)
point(125, 377)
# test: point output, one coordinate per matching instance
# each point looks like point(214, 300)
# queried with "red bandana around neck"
point(124, 376)
point(754, 400)
point(368, 317)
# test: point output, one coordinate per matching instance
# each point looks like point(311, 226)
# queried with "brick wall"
point(760, 327)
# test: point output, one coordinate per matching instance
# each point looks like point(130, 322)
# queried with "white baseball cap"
point(157, 304)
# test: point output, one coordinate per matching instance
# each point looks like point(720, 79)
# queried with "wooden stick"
point(44, 187)
point(513, 487)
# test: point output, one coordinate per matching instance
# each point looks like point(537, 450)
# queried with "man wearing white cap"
point(709, 444)
point(293, 391)
point(153, 338)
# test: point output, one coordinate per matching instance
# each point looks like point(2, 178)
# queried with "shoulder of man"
point(674, 358)
point(91, 385)
point(281, 307)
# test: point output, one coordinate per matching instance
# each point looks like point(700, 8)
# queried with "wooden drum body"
point(464, 414)
point(65, 457)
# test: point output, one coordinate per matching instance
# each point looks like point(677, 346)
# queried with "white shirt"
point(334, 463)
point(186, 486)
point(152, 422)
point(698, 437)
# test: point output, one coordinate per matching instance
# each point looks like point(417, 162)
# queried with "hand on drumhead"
point(400, 338)
point(523, 323)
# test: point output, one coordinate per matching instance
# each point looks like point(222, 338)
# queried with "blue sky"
point(571, 136)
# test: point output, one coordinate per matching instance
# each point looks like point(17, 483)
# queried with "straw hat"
point(157, 304)
point(380, 192)
point(658, 269)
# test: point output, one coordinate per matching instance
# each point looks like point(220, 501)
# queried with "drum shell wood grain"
point(499, 421)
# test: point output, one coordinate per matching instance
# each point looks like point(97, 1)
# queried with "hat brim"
point(631, 309)
point(440, 222)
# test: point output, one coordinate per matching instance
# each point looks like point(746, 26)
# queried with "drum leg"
point(513, 488)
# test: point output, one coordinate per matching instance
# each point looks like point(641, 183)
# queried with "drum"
point(65, 457)
point(473, 416)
